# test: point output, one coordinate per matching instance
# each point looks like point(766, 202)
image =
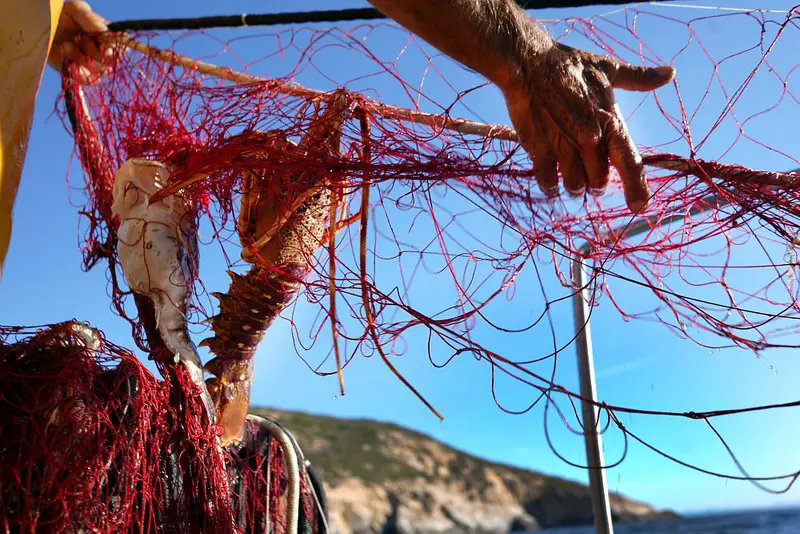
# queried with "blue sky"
point(639, 364)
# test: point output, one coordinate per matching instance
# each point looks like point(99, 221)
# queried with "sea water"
point(776, 521)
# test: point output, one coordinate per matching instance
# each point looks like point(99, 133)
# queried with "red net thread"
point(192, 121)
point(93, 442)
point(464, 207)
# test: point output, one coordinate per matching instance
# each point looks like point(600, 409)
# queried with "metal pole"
point(601, 507)
point(594, 446)
point(305, 17)
point(598, 487)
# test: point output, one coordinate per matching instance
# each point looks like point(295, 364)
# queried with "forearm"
point(493, 37)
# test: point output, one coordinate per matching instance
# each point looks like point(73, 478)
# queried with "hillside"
point(385, 478)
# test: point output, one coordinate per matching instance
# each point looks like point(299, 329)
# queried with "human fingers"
point(595, 162)
point(87, 21)
point(89, 71)
point(545, 165)
point(626, 159)
point(572, 172)
point(90, 48)
point(635, 78)
point(546, 173)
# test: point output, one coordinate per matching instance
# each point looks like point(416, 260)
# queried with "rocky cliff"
point(384, 478)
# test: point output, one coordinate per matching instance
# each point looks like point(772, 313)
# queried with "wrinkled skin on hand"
point(560, 99)
point(565, 114)
point(78, 38)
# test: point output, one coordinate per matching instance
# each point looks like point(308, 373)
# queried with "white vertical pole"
point(601, 507)
point(598, 486)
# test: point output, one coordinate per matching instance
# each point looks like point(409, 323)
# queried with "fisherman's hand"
point(78, 38)
point(563, 108)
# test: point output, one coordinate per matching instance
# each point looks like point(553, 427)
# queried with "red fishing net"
point(456, 198)
point(375, 187)
point(434, 170)
point(92, 442)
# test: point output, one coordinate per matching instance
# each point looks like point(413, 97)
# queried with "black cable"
point(238, 21)
point(322, 497)
point(305, 17)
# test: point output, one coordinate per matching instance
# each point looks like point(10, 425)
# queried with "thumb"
point(636, 78)
point(84, 18)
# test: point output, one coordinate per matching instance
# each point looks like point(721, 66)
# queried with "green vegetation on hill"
point(344, 447)
point(424, 474)
point(361, 448)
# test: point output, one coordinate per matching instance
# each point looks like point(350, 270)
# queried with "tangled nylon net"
point(92, 441)
point(435, 223)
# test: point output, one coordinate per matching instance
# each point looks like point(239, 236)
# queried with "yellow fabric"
point(26, 34)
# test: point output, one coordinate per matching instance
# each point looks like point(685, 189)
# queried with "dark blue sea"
point(782, 521)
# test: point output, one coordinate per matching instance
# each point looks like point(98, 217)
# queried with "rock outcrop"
point(382, 478)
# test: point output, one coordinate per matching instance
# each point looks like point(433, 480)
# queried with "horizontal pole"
point(670, 162)
point(294, 89)
point(712, 201)
point(311, 17)
point(645, 224)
